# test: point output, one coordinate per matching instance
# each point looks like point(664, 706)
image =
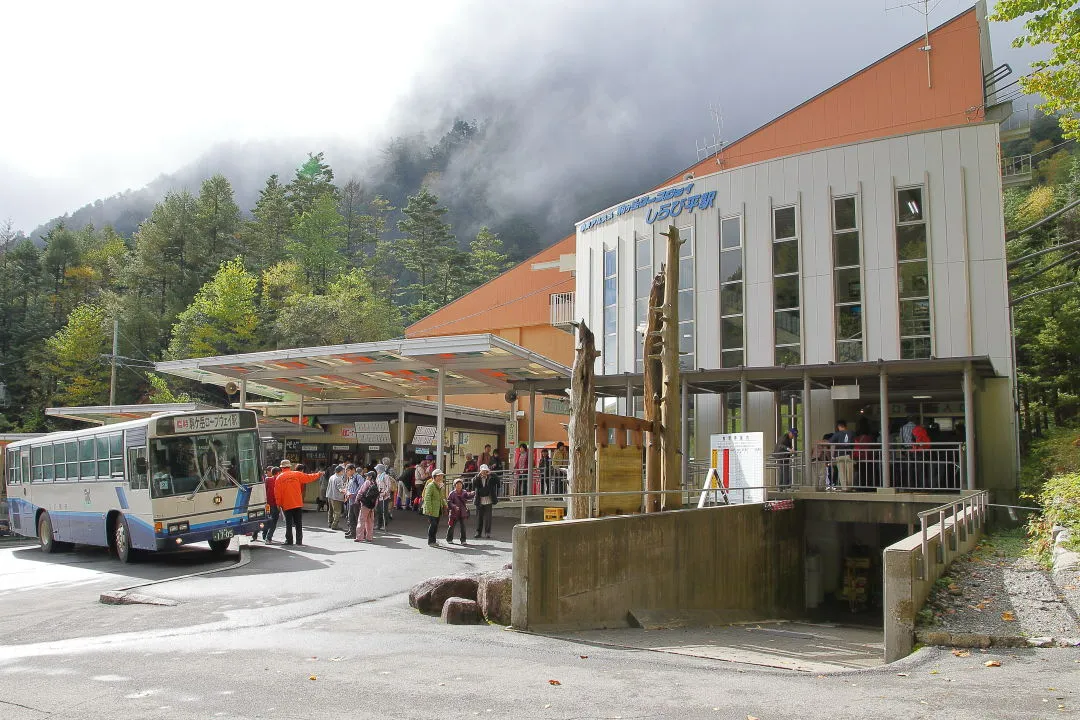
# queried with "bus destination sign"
point(206, 423)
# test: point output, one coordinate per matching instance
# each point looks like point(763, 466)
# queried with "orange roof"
point(517, 298)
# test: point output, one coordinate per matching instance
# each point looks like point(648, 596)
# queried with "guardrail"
point(967, 514)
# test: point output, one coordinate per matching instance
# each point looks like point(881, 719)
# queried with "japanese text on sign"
point(203, 423)
point(672, 207)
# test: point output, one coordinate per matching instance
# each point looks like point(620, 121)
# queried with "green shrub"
point(1056, 454)
point(1060, 499)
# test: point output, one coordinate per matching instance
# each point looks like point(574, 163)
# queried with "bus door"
point(137, 468)
point(24, 517)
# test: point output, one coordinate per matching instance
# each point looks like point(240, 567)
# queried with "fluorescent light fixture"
point(921, 397)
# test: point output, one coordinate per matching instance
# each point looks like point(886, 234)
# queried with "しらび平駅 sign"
point(676, 201)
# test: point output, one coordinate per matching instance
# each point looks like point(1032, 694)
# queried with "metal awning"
point(933, 374)
point(467, 364)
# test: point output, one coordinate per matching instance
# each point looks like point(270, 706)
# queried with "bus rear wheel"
point(45, 536)
point(122, 541)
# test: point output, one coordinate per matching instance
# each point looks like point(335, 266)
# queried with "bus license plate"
point(223, 534)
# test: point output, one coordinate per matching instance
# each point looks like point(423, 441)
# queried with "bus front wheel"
point(218, 547)
point(122, 541)
point(45, 536)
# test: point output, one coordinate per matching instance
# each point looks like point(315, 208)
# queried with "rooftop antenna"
point(924, 8)
point(716, 147)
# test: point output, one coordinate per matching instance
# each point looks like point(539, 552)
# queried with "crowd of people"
point(364, 499)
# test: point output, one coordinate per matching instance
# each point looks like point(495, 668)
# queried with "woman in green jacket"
point(433, 503)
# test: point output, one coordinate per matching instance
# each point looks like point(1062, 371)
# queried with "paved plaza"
point(326, 628)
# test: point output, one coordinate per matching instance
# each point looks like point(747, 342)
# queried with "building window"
point(847, 276)
point(643, 277)
point(731, 293)
point(913, 273)
point(687, 335)
point(786, 286)
point(609, 351)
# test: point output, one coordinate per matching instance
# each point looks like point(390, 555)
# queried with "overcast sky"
point(104, 96)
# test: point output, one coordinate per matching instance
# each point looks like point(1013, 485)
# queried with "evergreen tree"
point(427, 250)
point(218, 218)
point(265, 236)
point(351, 206)
point(350, 312)
point(318, 238)
point(487, 259)
point(313, 180)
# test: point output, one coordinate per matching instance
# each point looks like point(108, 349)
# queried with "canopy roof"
point(393, 368)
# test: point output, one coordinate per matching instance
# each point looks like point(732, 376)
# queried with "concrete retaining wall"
point(905, 593)
point(737, 562)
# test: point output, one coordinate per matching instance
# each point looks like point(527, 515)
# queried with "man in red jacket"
point(289, 492)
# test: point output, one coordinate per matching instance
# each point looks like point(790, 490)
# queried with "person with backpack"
point(486, 487)
point(385, 481)
point(404, 486)
point(369, 499)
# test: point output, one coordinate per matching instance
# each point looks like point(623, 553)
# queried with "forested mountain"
point(312, 258)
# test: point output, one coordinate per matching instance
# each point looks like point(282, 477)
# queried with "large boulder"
point(461, 611)
point(428, 597)
point(494, 597)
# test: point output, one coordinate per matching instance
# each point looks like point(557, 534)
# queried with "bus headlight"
point(175, 528)
point(256, 514)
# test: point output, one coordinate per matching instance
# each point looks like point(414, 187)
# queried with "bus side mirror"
point(141, 466)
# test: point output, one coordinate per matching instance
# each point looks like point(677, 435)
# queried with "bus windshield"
point(187, 464)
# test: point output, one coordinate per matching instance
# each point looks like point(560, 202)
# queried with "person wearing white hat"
point(486, 486)
point(433, 504)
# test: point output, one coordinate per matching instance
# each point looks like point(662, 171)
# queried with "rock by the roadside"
point(508, 566)
point(461, 611)
point(1041, 642)
point(493, 594)
point(428, 597)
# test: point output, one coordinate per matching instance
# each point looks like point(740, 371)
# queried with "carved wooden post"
point(653, 378)
point(671, 402)
point(581, 474)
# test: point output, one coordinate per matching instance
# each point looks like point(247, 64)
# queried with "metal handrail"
point(972, 506)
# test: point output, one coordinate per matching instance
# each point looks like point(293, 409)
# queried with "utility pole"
point(115, 352)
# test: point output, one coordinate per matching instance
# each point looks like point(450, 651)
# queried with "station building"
point(850, 252)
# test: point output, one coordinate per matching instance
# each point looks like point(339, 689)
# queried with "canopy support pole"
point(440, 422)
point(532, 439)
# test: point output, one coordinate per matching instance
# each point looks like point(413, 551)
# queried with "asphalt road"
point(326, 631)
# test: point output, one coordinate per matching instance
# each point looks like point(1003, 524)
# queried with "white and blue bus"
point(158, 483)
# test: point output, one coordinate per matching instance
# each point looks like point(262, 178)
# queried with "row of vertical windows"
point(687, 332)
point(732, 341)
point(786, 303)
point(643, 276)
point(609, 351)
point(913, 275)
point(847, 273)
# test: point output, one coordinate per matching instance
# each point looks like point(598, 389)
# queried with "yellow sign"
point(554, 514)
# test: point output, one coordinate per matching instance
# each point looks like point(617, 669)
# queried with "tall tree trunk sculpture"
point(653, 366)
point(671, 402)
point(582, 471)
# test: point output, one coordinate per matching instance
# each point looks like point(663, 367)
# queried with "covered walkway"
point(376, 378)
